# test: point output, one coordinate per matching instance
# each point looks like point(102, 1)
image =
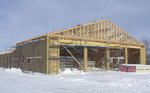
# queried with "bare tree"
point(146, 41)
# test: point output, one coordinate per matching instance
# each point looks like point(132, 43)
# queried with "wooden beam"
point(107, 58)
point(142, 56)
point(39, 36)
point(126, 55)
point(74, 27)
point(47, 54)
point(73, 57)
point(90, 39)
point(85, 59)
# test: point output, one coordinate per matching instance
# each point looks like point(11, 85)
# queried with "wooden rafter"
point(100, 30)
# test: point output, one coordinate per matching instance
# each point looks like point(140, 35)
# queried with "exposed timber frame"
point(103, 35)
point(74, 57)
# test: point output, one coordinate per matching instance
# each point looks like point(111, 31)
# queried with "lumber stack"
point(134, 68)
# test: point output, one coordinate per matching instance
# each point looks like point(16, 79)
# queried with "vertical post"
point(85, 59)
point(142, 56)
point(126, 55)
point(47, 51)
point(53, 62)
point(107, 59)
point(57, 62)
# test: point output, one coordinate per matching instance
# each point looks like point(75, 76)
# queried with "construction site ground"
point(15, 81)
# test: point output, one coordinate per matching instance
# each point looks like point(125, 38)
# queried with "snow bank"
point(12, 70)
point(14, 81)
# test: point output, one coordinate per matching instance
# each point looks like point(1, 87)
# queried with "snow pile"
point(13, 70)
point(72, 71)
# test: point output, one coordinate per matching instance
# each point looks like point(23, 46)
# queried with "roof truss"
point(103, 30)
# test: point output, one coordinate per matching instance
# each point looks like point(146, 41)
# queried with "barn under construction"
point(95, 45)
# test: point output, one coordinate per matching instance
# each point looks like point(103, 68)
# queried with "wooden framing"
point(85, 51)
point(107, 58)
point(74, 58)
point(102, 33)
point(103, 30)
point(126, 55)
point(142, 56)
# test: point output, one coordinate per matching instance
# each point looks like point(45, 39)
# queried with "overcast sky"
point(21, 19)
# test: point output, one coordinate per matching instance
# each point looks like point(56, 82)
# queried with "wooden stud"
point(142, 56)
point(126, 55)
point(85, 59)
point(107, 58)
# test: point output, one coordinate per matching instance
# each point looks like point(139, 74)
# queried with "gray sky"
point(21, 19)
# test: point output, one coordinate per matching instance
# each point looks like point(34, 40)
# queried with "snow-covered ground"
point(14, 81)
